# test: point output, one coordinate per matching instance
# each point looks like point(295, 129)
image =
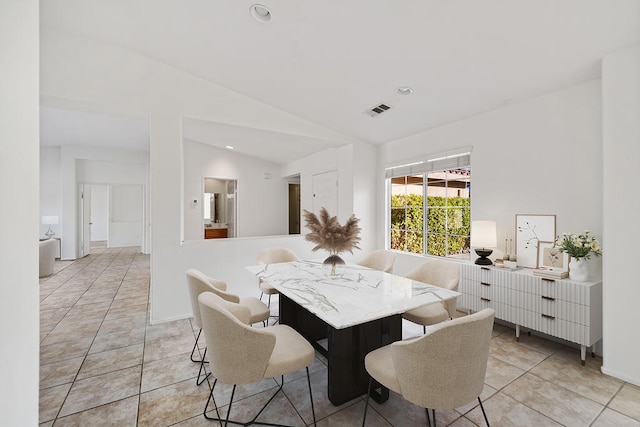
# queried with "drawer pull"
point(485, 284)
point(485, 299)
point(544, 279)
point(485, 268)
point(546, 316)
point(548, 298)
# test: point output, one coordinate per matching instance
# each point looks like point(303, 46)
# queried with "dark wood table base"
point(347, 377)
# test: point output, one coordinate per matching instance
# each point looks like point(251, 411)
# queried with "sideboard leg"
point(518, 333)
point(583, 353)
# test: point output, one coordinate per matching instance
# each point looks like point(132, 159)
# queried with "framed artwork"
point(552, 258)
point(530, 230)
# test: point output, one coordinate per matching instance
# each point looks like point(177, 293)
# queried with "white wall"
point(621, 154)
point(99, 212)
point(542, 156)
point(262, 204)
point(125, 215)
point(19, 212)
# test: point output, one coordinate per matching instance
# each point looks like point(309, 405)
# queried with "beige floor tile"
point(102, 389)
point(500, 373)
point(126, 302)
point(627, 401)
point(165, 347)
point(583, 380)
point(462, 422)
point(515, 353)
point(555, 402)
point(51, 400)
point(123, 324)
point(112, 360)
point(131, 311)
point(537, 343)
point(487, 392)
point(106, 342)
point(61, 372)
point(171, 404)
point(66, 350)
point(169, 329)
point(169, 371)
point(352, 416)
point(611, 418)
point(503, 411)
point(122, 413)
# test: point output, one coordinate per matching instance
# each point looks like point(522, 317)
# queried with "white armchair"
point(47, 256)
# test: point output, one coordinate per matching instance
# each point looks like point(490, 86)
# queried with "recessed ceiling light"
point(404, 90)
point(228, 147)
point(261, 13)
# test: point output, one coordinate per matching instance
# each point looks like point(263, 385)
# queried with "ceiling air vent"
point(377, 110)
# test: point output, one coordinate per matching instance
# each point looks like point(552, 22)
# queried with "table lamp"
point(483, 236)
point(50, 220)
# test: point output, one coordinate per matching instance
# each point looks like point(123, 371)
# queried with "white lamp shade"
point(483, 234)
point(49, 220)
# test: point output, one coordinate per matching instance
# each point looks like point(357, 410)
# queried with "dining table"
point(346, 315)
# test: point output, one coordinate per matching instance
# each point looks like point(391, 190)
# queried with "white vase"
point(578, 270)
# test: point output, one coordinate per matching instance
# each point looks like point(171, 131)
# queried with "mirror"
point(219, 205)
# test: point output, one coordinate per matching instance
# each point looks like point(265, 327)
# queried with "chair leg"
point(433, 411)
point(202, 362)
point(424, 329)
point(483, 413)
point(269, 304)
point(366, 402)
point(209, 399)
point(193, 350)
point(313, 411)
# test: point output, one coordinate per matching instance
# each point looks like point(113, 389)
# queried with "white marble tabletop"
point(355, 295)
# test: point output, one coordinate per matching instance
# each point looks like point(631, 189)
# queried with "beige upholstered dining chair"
point(199, 283)
point(379, 260)
point(273, 256)
point(242, 355)
point(444, 274)
point(443, 369)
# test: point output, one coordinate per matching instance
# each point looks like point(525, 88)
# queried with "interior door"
point(85, 214)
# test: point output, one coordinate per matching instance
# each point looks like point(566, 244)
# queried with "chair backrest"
point(199, 283)
point(445, 368)
point(47, 257)
point(379, 260)
point(445, 274)
point(238, 353)
point(275, 255)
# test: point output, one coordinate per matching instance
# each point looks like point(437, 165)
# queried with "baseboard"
point(620, 376)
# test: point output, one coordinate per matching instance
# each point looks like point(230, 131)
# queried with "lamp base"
point(50, 233)
point(483, 254)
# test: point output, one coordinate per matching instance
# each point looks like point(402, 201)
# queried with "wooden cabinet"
point(215, 233)
point(561, 308)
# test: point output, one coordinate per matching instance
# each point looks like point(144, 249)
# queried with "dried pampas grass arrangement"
point(328, 234)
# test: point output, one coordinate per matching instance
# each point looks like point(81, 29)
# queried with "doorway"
point(294, 208)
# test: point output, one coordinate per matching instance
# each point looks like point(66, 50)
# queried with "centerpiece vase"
point(332, 262)
point(578, 270)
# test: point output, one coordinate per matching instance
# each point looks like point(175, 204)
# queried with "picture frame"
point(551, 258)
point(530, 230)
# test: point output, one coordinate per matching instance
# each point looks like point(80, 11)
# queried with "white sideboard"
point(561, 308)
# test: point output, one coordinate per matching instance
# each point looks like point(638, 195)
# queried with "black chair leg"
point(209, 399)
point(428, 419)
point(313, 411)
point(366, 402)
point(483, 413)
point(193, 350)
point(202, 362)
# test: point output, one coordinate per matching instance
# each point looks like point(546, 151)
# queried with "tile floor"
point(103, 364)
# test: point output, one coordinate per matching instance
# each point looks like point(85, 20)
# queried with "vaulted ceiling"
point(332, 60)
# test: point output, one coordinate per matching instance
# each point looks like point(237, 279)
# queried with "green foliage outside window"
point(448, 224)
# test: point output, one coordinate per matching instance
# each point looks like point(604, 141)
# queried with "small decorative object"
point(50, 220)
point(328, 234)
point(550, 257)
point(580, 247)
point(531, 229)
point(483, 236)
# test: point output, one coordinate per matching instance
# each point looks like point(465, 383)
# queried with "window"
point(430, 211)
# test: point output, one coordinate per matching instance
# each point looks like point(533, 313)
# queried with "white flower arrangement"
point(579, 246)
